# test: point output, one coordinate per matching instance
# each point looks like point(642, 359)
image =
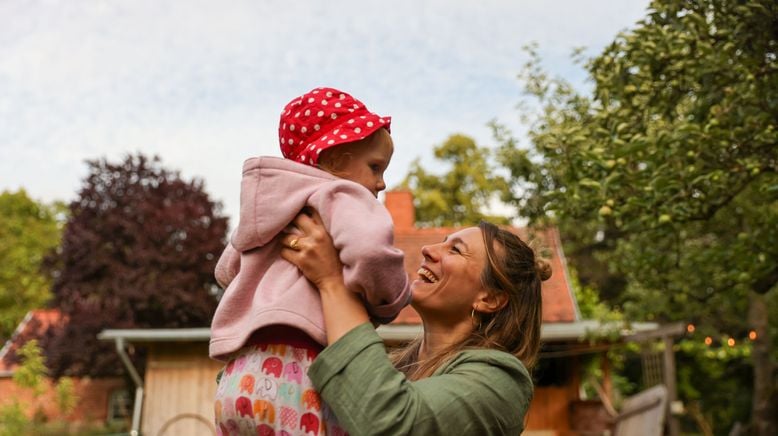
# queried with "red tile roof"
point(558, 301)
point(33, 326)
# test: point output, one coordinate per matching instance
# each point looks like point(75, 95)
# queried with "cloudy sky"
point(201, 83)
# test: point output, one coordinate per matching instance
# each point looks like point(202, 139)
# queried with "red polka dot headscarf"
point(321, 119)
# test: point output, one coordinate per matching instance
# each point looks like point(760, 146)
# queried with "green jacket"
point(479, 392)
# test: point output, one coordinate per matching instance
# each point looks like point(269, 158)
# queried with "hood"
point(273, 191)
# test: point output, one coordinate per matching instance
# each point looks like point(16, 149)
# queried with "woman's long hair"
point(511, 268)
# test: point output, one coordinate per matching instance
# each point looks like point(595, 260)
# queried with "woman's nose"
point(428, 253)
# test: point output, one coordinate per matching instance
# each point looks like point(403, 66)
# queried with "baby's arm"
point(362, 230)
point(228, 266)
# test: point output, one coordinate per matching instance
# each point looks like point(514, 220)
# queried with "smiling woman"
point(478, 295)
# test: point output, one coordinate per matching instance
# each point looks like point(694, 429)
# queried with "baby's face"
point(365, 161)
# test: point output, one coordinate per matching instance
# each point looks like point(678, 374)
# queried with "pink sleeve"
point(228, 266)
point(361, 228)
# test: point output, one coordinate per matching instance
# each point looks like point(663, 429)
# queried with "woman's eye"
point(456, 250)
point(375, 168)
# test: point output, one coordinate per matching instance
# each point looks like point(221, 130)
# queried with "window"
point(119, 406)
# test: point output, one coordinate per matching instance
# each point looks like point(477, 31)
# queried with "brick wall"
point(92, 399)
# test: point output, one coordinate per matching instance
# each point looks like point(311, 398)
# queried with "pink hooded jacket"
point(263, 289)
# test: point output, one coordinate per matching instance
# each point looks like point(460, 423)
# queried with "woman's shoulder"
point(489, 360)
point(493, 382)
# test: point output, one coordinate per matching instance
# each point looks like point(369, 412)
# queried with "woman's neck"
point(438, 337)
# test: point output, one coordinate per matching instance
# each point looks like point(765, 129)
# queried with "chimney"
point(400, 206)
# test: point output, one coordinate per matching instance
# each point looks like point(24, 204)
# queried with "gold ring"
point(294, 244)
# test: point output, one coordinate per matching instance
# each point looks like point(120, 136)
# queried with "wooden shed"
point(175, 395)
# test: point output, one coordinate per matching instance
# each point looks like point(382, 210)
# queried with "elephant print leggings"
point(265, 390)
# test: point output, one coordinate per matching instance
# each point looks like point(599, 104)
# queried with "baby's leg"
point(266, 388)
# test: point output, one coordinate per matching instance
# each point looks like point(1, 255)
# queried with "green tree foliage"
point(31, 374)
point(723, 401)
point(28, 231)
point(13, 420)
point(670, 165)
point(462, 195)
point(65, 394)
point(138, 251)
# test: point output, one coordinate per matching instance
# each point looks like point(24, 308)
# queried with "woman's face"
point(448, 282)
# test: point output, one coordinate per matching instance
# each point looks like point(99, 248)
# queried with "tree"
point(462, 195)
point(138, 251)
point(28, 230)
point(672, 161)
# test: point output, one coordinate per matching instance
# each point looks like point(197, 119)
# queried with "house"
point(179, 384)
point(99, 400)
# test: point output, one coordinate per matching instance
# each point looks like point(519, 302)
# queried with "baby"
point(268, 326)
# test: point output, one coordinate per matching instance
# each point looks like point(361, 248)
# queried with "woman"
point(478, 295)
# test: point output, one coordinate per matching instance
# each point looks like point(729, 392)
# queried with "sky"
point(201, 83)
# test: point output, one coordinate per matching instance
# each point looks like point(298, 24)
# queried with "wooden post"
point(673, 427)
point(607, 383)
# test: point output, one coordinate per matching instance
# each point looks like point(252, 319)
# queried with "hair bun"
point(543, 268)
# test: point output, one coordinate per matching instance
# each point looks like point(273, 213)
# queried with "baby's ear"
point(344, 159)
point(334, 159)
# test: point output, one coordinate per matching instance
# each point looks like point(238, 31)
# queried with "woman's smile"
point(427, 275)
point(427, 283)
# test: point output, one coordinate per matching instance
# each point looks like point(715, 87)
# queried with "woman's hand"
point(310, 247)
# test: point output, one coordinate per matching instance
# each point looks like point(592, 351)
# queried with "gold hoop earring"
point(472, 318)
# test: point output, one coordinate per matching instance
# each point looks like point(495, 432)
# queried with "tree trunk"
point(763, 417)
point(696, 414)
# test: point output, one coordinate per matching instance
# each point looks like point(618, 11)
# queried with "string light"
point(690, 328)
point(730, 341)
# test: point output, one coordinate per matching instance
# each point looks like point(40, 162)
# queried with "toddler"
point(269, 326)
